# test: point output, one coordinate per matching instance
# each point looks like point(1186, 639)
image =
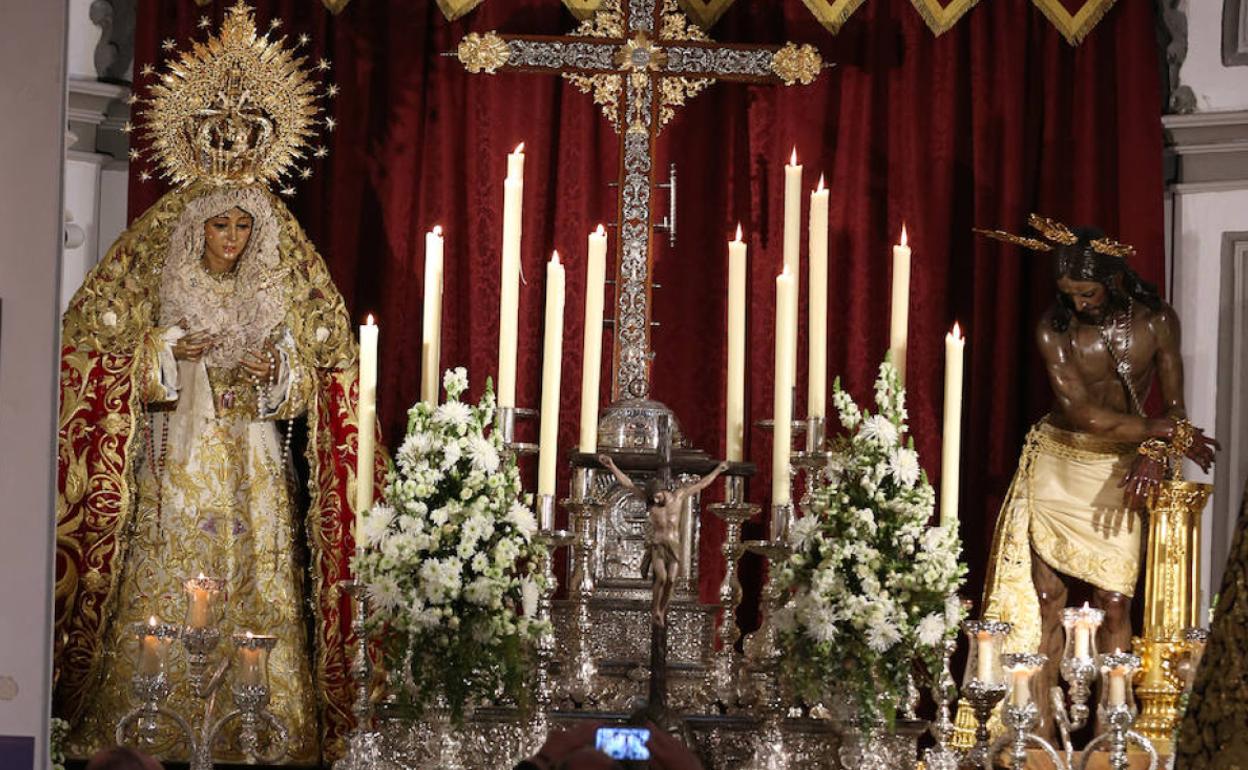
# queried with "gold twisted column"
point(1171, 605)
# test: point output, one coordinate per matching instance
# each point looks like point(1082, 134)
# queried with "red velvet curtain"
point(996, 118)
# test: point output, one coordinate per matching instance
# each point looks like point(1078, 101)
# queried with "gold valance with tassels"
point(1073, 18)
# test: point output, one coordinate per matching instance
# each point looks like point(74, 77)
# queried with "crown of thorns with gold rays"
point(1053, 232)
point(237, 108)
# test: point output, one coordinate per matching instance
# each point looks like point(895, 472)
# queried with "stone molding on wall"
point(1235, 33)
point(1207, 151)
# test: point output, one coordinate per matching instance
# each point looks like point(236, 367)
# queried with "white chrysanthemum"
point(520, 517)
point(453, 413)
point(384, 593)
point(375, 523)
point(801, 530)
point(450, 455)
point(879, 429)
point(483, 454)
point(931, 629)
point(903, 465)
point(882, 636)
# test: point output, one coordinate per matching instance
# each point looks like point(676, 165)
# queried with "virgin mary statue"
point(189, 355)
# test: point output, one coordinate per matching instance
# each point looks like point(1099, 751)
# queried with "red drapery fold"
point(996, 118)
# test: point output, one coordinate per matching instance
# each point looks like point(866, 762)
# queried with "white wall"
point(1203, 217)
point(31, 211)
point(1216, 87)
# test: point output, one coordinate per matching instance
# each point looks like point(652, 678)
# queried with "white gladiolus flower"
point(903, 465)
point(801, 530)
point(529, 594)
point(455, 381)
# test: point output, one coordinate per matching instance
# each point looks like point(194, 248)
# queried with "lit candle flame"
point(738, 231)
point(555, 257)
point(793, 159)
point(821, 188)
point(903, 234)
point(201, 576)
point(602, 231)
point(249, 635)
point(957, 331)
point(519, 149)
point(370, 321)
point(437, 230)
point(152, 621)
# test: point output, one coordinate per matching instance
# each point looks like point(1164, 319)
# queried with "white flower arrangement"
point(870, 587)
point(451, 557)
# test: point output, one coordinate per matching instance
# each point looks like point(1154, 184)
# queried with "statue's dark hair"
point(1080, 262)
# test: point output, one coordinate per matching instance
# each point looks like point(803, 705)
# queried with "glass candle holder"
point(1081, 624)
point(251, 659)
point(203, 601)
point(983, 664)
point(1019, 669)
point(1117, 669)
point(155, 639)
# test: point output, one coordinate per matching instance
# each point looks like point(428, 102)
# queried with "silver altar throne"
point(599, 669)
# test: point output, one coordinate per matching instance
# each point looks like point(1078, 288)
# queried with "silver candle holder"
point(1078, 669)
point(941, 756)
point(251, 692)
point(579, 667)
point(363, 743)
point(505, 419)
point(984, 686)
point(723, 681)
point(1117, 713)
point(1020, 714)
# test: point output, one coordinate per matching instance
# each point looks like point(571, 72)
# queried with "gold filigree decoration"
point(483, 53)
point(941, 16)
point(1111, 248)
point(238, 108)
point(1018, 240)
point(797, 64)
point(1052, 230)
point(640, 55)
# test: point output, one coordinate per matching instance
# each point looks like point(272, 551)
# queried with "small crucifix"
point(640, 59)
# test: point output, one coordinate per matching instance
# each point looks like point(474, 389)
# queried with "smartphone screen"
point(623, 742)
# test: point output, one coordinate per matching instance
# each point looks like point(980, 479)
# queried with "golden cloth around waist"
point(1065, 503)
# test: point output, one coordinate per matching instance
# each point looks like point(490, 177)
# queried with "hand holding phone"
point(624, 743)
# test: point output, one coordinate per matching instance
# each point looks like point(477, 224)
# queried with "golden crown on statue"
point(238, 108)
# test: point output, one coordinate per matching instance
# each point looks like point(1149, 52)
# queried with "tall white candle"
point(793, 245)
point(900, 321)
point(552, 354)
point(591, 360)
point(734, 438)
point(151, 650)
point(367, 414)
point(817, 339)
point(1083, 640)
point(1022, 687)
point(509, 302)
point(951, 437)
point(783, 398)
point(431, 333)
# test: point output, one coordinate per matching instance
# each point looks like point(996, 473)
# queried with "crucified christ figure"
point(663, 545)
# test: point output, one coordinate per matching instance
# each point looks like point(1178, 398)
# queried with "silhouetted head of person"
point(122, 758)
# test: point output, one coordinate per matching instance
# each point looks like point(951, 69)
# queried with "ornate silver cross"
point(640, 60)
